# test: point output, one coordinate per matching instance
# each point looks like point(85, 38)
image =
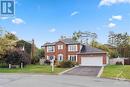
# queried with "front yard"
point(33, 69)
point(116, 71)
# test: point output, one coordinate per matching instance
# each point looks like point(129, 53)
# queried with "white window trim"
point(76, 47)
point(62, 57)
point(60, 47)
point(53, 47)
point(72, 46)
point(76, 58)
point(54, 57)
point(81, 47)
point(48, 57)
point(72, 55)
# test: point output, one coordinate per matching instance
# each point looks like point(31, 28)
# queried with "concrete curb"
point(100, 72)
point(67, 70)
point(120, 79)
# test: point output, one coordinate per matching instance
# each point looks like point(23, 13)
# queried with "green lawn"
point(33, 69)
point(114, 71)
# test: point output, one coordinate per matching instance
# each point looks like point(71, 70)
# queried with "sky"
point(48, 20)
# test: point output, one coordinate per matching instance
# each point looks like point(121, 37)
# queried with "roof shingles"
point(66, 41)
point(88, 49)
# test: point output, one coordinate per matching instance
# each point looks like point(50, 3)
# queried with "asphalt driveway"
point(28, 80)
point(84, 71)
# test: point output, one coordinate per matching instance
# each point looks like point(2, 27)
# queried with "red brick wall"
point(48, 53)
point(104, 59)
point(64, 51)
point(74, 52)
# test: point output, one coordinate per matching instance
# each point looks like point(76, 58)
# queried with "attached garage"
point(92, 61)
point(90, 56)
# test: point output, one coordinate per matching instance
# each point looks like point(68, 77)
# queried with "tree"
point(10, 36)
point(76, 35)
point(6, 41)
point(94, 43)
point(111, 38)
point(84, 37)
point(25, 44)
point(121, 41)
point(39, 55)
point(16, 57)
point(129, 40)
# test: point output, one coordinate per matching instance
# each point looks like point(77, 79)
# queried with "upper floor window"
point(72, 47)
point(50, 48)
point(60, 47)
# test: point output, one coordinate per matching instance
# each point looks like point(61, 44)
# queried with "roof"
point(66, 41)
point(49, 44)
point(69, 41)
point(86, 49)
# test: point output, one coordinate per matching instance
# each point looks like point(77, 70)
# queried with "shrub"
point(75, 63)
point(34, 60)
point(119, 63)
point(39, 54)
point(66, 64)
point(47, 62)
point(127, 61)
point(16, 57)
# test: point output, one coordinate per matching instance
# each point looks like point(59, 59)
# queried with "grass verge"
point(33, 69)
point(116, 71)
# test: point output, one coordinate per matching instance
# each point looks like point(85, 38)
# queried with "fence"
point(125, 61)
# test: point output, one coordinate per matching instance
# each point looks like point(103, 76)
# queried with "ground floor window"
point(50, 57)
point(60, 57)
point(72, 58)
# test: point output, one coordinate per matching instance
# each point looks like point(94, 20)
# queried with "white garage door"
point(91, 61)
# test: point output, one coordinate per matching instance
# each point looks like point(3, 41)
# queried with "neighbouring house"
point(68, 49)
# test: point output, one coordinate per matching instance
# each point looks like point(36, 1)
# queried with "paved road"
point(22, 80)
point(84, 71)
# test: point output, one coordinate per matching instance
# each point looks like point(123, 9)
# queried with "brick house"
point(68, 49)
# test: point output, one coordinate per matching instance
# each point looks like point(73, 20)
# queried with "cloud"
point(111, 25)
point(74, 13)
point(18, 21)
point(52, 30)
point(116, 17)
point(4, 18)
point(111, 2)
point(13, 32)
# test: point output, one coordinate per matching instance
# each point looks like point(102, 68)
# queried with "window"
point(60, 47)
point(60, 57)
point(51, 49)
point(72, 47)
point(72, 58)
point(50, 57)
